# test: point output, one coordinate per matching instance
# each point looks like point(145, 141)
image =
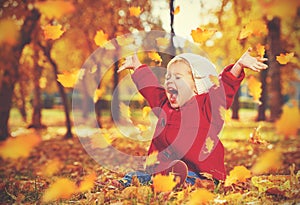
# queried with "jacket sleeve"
point(149, 86)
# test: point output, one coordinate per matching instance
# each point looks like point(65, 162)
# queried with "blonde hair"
point(179, 60)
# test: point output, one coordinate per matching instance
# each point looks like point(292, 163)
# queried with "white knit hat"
point(201, 68)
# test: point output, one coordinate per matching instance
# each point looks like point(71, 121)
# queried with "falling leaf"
point(52, 167)
point(146, 111)
point(215, 80)
point(163, 183)
point(101, 141)
point(255, 137)
point(238, 174)
point(135, 11)
point(255, 27)
point(209, 144)
point(162, 41)
point(62, 188)
point(255, 89)
point(155, 56)
point(15, 147)
point(201, 196)
point(99, 93)
point(270, 160)
point(43, 82)
point(260, 49)
point(125, 40)
point(176, 10)
point(55, 9)
point(225, 114)
point(288, 123)
point(9, 31)
point(53, 31)
point(152, 159)
point(100, 38)
point(201, 35)
point(285, 58)
point(68, 79)
point(87, 183)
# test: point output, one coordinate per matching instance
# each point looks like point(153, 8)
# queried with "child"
point(188, 111)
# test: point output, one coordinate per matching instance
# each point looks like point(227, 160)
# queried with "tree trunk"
point(275, 96)
point(236, 106)
point(263, 99)
point(11, 74)
point(116, 98)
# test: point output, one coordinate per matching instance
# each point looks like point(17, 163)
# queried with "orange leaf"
point(68, 79)
point(260, 50)
point(201, 35)
point(271, 160)
point(288, 123)
point(176, 10)
point(255, 89)
point(63, 188)
point(256, 28)
point(238, 174)
point(20, 146)
point(87, 183)
point(155, 56)
point(163, 183)
point(255, 137)
point(285, 58)
point(52, 167)
point(53, 32)
point(201, 196)
point(9, 31)
point(100, 38)
point(135, 11)
point(55, 9)
point(152, 159)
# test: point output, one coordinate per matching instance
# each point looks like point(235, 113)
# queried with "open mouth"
point(173, 94)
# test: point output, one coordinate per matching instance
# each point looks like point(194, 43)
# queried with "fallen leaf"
point(135, 11)
point(255, 137)
point(200, 35)
point(163, 183)
point(237, 174)
point(285, 58)
point(201, 196)
point(176, 10)
point(53, 31)
point(88, 182)
point(100, 38)
point(52, 167)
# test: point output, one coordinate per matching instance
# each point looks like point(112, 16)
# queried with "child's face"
point(179, 84)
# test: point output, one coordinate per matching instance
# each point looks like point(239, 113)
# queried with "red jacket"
point(189, 133)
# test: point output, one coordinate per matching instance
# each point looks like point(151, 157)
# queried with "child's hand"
point(131, 62)
point(253, 63)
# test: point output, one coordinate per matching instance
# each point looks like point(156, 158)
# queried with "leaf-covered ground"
point(60, 171)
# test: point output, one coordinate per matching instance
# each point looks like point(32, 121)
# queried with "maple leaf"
point(288, 123)
point(270, 160)
point(215, 80)
point(52, 167)
point(87, 183)
point(55, 9)
point(155, 56)
point(256, 28)
point(225, 114)
point(9, 31)
point(255, 89)
point(62, 188)
point(200, 35)
point(100, 38)
point(53, 31)
point(201, 196)
point(163, 183)
point(285, 58)
point(162, 41)
point(237, 174)
point(151, 159)
point(209, 144)
point(176, 10)
point(68, 79)
point(19, 146)
point(260, 49)
point(135, 11)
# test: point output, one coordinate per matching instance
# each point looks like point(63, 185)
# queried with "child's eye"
point(177, 77)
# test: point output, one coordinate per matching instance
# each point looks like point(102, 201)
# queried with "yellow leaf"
point(285, 58)
point(238, 174)
point(52, 167)
point(209, 144)
point(55, 9)
point(214, 80)
point(255, 27)
point(135, 11)
point(124, 41)
point(260, 50)
point(146, 111)
point(162, 41)
point(101, 140)
point(176, 10)
point(269, 161)
point(87, 183)
point(63, 188)
point(152, 159)
point(19, 146)
point(100, 38)
point(99, 93)
point(200, 35)
point(155, 56)
point(201, 196)
point(225, 114)
point(163, 183)
point(68, 79)
point(255, 89)
point(53, 32)
point(255, 137)
point(43, 82)
point(288, 123)
point(9, 31)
